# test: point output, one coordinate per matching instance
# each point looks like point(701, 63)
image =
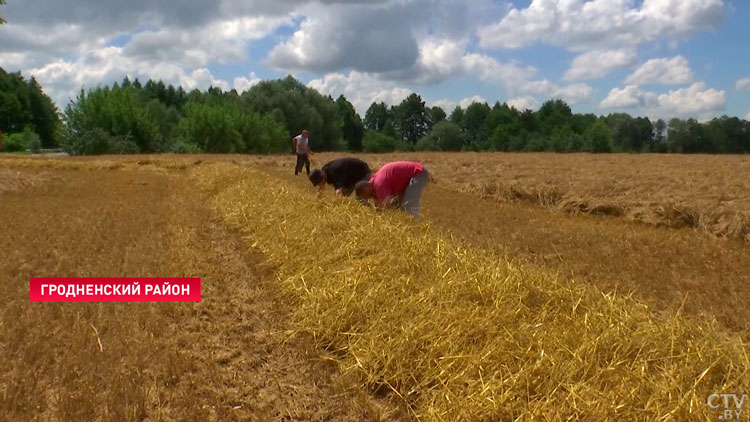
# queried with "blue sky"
point(656, 58)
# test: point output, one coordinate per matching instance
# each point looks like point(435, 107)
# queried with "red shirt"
point(393, 178)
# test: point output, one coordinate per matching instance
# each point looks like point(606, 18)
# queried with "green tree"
point(13, 113)
point(377, 142)
point(226, 128)
point(352, 128)
point(301, 108)
point(390, 129)
point(599, 137)
point(698, 140)
point(411, 118)
point(554, 115)
point(169, 96)
point(2, 21)
point(537, 143)
point(24, 103)
point(727, 135)
point(21, 141)
point(444, 136)
point(377, 116)
point(631, 134)
point(528, 122)
point(118, 112)
point(500, 139)
point(95, 141)
point(688, 136)
point(44, 114)
point(437, 115)
point(260, 134)
point(660, 140)
point(643, 134)
point(677, 135)
point(504, 116)
point(457, 115)
point(166, 119)
point(563, 139)
point(472, 124)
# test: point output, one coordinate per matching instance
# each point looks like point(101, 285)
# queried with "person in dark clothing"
point(342, 173)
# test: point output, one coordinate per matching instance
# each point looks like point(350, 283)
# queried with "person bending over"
point(301, 144)
point(342, 173)
point(399, 183)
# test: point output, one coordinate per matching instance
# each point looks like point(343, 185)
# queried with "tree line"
point(27, 114)
point(554, 127)
point(152, 117)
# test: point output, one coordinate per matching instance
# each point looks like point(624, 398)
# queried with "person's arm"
point(386, 194)
point(387, 203)
point(294, 144)
point(338, 185)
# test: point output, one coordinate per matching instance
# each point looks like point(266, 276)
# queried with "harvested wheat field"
point(231, 357)
point(705, 192)
point(495, 306)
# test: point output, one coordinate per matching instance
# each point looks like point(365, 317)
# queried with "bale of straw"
point(461, 336)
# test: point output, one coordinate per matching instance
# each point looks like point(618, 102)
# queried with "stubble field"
point(536, 287)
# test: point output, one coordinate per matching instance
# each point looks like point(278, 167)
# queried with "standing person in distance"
point(301, 144)
point(342, 173)
point(399, 182)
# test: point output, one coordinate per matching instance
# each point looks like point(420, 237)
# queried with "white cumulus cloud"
point(743, 84)
point(579, 93)
point(444, 103)
point(219, 41)
point(449, 105)
point(628, 97)
point(524, 103)
point(598, 63)
point(674, 71)
point(696, 100)
point(360, 89)
point(377, 37)
point(62, 79)
point(471, 100)
point(583, 25)
point(196, 32)
point(242, 84)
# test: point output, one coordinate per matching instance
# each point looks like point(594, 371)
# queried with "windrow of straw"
point(459, 335)
point(720, 221)
point(12, 180)
point(24, 162)
point(159, 163)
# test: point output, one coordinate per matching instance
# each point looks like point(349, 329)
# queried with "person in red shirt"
point(399, 182)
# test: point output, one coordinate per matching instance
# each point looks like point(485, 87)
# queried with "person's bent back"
point(400, 183)
point(342, 173)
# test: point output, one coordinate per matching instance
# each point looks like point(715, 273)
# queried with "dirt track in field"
point(230, 357)
point(673, 270)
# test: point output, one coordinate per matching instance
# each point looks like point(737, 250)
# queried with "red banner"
point(104, 289)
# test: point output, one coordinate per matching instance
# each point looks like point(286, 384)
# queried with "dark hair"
point(316, 176)
point(361, 186)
